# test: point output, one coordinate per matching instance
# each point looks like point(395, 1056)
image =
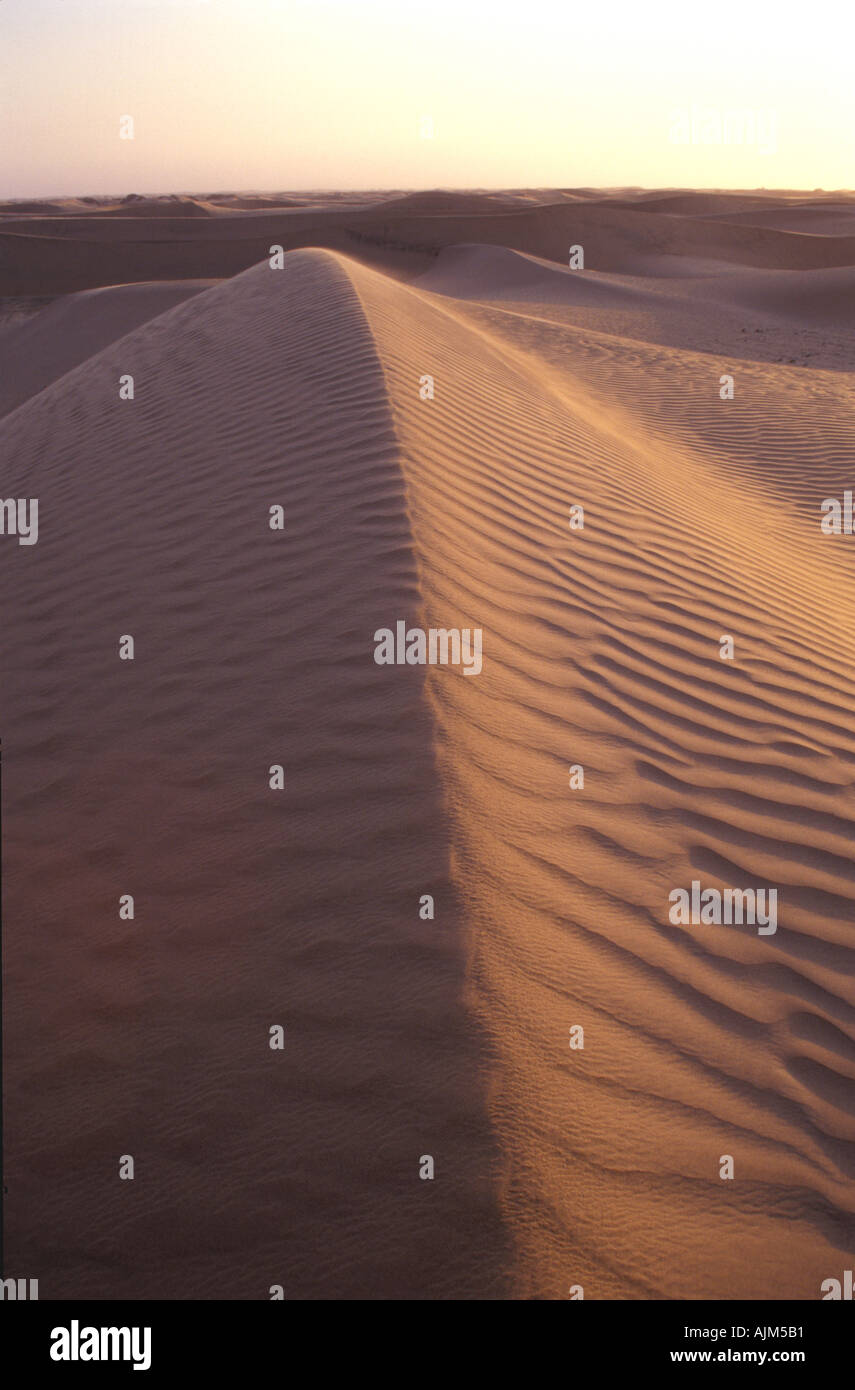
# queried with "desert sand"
point(552, 388)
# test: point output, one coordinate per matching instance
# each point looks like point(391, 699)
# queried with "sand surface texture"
point(300, 387)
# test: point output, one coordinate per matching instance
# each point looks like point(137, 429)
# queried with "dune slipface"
point(556, 1166)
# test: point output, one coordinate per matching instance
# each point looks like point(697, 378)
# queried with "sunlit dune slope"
point(602, 649)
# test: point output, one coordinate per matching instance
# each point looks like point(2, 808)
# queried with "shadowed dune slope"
point(253, 907)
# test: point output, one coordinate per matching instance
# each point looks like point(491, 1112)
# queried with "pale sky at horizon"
point(301, 94)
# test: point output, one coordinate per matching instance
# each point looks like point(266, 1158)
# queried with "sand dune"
point(816, 298)
point(75, 328)
point(697, 203)
point(57, 249)
point(441, 202)
point(818, 219)
point(496, 273)
point(744, 313)
point(232, 202)
point(601, 648)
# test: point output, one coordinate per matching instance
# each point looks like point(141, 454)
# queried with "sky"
point(386, 94)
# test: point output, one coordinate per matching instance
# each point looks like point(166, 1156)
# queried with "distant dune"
point(305, 387)
point(58, 248)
